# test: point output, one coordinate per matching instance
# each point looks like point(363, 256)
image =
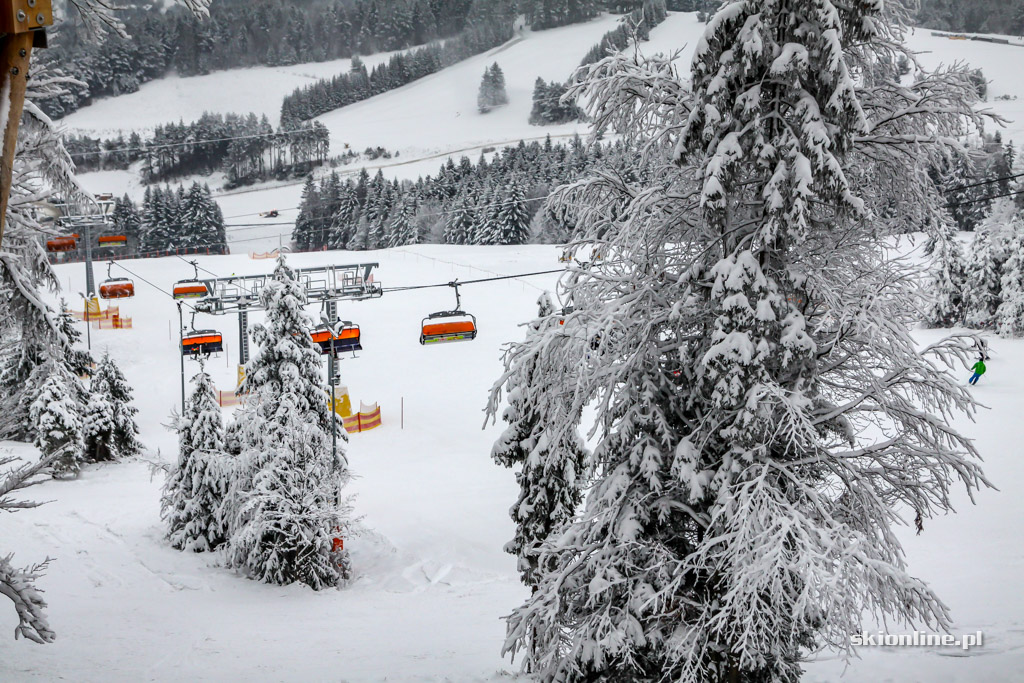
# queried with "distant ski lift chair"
point(449, 326)
point(193, 288)
point(61, 244)
point(273, 213)
point(202, 343)
point(116, 287)
point(113, 240)
point(345, 339)
point(189, 289)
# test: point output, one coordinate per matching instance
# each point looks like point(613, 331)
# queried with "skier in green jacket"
point(979, 370)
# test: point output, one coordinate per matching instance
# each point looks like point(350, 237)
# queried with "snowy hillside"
point(431, 119)
point(435, 583)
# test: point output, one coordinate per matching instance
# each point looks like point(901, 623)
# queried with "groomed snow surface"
point(433, 581)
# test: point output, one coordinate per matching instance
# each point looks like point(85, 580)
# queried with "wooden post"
point(22, 25)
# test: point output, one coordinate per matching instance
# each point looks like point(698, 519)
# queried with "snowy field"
point(433, 580)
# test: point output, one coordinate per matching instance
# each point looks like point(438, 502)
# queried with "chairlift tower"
point(322, 284)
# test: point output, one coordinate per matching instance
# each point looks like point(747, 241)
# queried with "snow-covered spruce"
point(1010, 314)
point(285, 503)
point(543, 444)
point(111, 432)
point(988, 252)
point(744, 354)
point(195, 491)
point(492, 89)
point(57, 420)
point(947, 307)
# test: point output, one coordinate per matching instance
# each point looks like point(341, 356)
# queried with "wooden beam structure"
point(22, 26)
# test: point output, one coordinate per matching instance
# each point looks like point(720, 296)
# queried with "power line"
point(991, 181)
point(185, 144)
point(159, 289)
point(460, 283)
point(196, 265)
point(983, 199)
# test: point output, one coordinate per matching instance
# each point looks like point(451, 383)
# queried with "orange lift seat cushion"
point(197, 341)
point(449, 328)
point(189, 290)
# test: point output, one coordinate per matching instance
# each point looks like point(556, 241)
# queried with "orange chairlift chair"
point(449, 326)
point(342, 337)
point(116, 287)
point(113, 240)
point(201, 343)
point(193, 288)
point(60, 244)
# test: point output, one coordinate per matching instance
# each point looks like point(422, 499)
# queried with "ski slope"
point(258, 89)
point(433, 581)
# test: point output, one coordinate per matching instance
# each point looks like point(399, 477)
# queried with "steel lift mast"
point(322, 284)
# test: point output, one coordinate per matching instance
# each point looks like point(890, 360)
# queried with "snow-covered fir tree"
point(196, 489)
point(492, 89)
point(111, 427)
point(513, 219)
point(402, 230)
point(57, 418)
point(459, 222)
point(948, 281)
point(286, 502)
point(989, 250)
point(741, 505)
point(542, 444)
point(1009, 316)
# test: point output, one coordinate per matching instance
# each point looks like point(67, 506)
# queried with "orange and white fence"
point(114, 322)
point(367, 418)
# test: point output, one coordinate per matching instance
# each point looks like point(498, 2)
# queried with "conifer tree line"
point(359, 83)
point(548, 107)
point(171, 219)
point(973, 16)
point(981, 284)
point(638, 22)
point(738, 358)
point(246, 148)
point(239, 33)
point(269, 498)
point(487, 202)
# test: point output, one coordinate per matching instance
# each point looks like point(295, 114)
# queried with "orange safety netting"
point(368, 417)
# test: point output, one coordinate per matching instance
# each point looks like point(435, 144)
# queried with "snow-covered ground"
point(258, 89)
point(434, 583)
